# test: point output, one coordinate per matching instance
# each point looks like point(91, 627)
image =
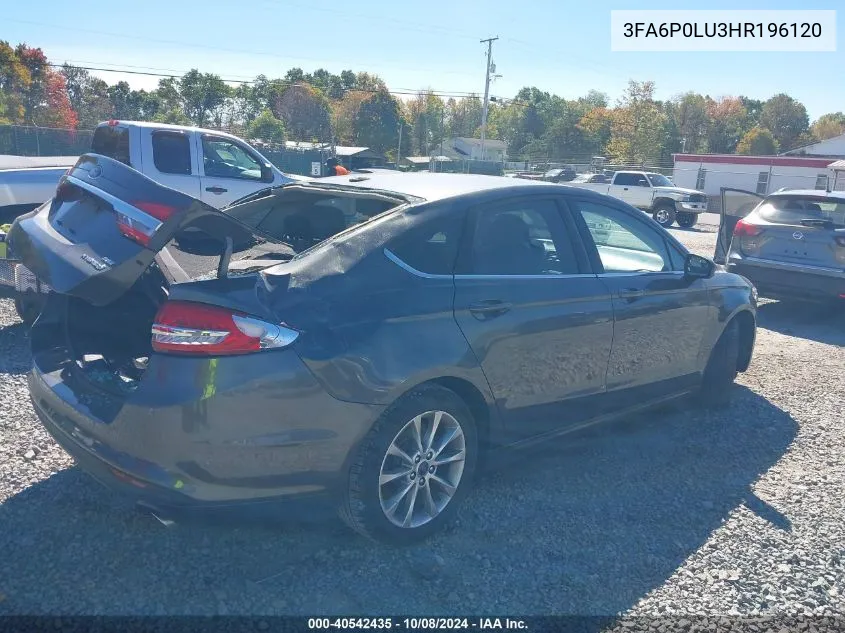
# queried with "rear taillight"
point(746, 229)
point(140, 227)
point(196, 328)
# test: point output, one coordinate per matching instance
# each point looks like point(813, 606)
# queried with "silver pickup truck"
point(655, 194)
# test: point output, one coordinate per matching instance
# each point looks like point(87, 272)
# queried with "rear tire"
point(721, 370)
point(664, 214)
point(28, 306)
point(370, 505)
point(687, 220)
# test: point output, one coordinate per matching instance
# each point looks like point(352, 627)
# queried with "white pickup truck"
point(655, 194)
point(215, 167)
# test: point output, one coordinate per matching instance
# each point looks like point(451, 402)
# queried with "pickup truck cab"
point(653, 193)
point(215, 167)
point(212, 166)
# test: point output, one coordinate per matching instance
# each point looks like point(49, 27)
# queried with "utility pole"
point(399, 149)
point(489, 42)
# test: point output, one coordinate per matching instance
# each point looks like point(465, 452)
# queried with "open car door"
point(736, 204)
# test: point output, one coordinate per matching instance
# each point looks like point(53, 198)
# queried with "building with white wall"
point(761, 174)
point(830, 147)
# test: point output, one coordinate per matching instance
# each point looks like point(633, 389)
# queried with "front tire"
point(664, 214)
point(687, 220)
point(414, 468)
point(721, 370)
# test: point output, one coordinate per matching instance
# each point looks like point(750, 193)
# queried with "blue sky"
point(561, 47)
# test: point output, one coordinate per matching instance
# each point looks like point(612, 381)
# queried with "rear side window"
point(112, 141)
point(172, 153)
point(431, 247)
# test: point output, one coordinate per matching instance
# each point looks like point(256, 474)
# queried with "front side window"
point(626, 245)
point(224, 159)
point(659, 180)
point(522, 238)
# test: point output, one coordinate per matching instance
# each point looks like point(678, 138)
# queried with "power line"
point(282, 82)
point(218, 48)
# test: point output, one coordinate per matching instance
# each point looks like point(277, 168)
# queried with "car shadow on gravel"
point(585, 525)
point(823, 323)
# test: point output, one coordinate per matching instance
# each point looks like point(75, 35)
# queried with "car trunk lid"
point(105, 226)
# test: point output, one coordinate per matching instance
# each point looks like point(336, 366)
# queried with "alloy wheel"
point(422, 469)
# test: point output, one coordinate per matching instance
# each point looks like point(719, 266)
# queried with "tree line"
point(356, 108)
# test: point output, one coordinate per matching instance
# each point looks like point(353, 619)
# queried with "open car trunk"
point(114, 245)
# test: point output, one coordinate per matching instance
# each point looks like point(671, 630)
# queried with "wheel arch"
point(747, 334)
point(658, 202)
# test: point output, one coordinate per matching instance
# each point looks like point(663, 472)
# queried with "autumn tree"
point(15, 81)
point(728, 124)
point(828, 125)
point(344, 112)
point(305, 112)
point(757, 141)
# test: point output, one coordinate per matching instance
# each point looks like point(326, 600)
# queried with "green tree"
point(828, 125)
point(88, 96)
point(786, 118)
point(757, 141)
point(426, 114)
point(637, 126)
point(463, 116)
point(203, 96)
point(266, 127)
point(693, 121)
point(377, 122)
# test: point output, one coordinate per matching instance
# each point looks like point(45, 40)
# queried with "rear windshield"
point(783, 210)
point(112, 141)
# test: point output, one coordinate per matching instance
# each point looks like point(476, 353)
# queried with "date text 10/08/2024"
point(417, 624)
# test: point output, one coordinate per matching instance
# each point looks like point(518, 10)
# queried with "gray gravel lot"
point(681, 512)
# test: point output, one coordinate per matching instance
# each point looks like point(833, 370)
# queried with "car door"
point(736, 204)
point(660, 314)
point(537, 319)
point(169, 157)
point(229, 170)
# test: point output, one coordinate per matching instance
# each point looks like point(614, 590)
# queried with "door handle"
point(624, 188)
point(631, 294)
point(489, 309)
point(216, 190)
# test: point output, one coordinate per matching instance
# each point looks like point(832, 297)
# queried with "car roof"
point(432, 186)
point(810, 193)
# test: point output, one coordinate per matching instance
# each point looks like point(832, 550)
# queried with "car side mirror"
point(698, 267)
point(267, 174)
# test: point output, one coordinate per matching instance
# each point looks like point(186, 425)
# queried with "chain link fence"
point(24, 140)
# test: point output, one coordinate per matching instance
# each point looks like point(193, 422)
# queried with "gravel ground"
point(680, 512)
